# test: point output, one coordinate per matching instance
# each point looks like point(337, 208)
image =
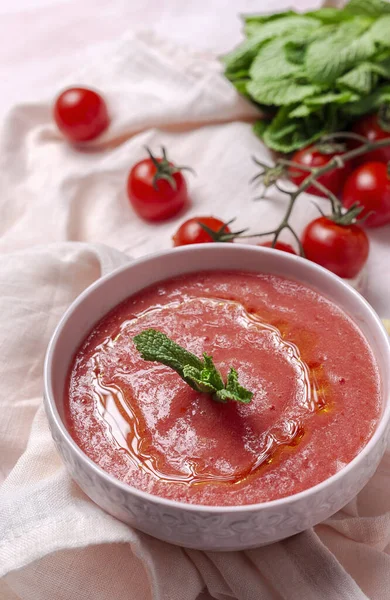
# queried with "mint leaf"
point(369, 8)
point(284, 56)
point(362, 79)
point(239, 75)
point(330, 98)
point(285, 134)
point(285, 23)
point(206, 380)
point(241, 58)
point(330, 15)
point(319, 69)
point(213, 376)
point(198, 380)
point(291, 137)
point(271, 63)
point(280, 92)
point(240, 85)
point(380, 31)
point(156, 346)
point(267, 17)
point(202, 376)
point(234, 391)
point(253, 23)
point(302, 110)
point(369, 103)
point(295, 52)
point(312, 104)
point(327, 59)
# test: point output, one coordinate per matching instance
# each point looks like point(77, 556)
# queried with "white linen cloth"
point(58, 206)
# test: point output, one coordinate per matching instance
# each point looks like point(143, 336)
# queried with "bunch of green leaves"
point(201, 375)
point(313, 73)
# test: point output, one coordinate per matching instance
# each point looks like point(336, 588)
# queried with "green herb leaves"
point(201, 375)
point(313, 69)
point(371, 8)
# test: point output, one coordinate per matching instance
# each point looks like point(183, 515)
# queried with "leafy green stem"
point(201, 375)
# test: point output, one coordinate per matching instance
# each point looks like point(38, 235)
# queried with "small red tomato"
point(191, 232)
point(81, 114)
point(343, 249)
point(156, 188)
point(313, 156)
point(369, 127)
point(279, 246)
point(369, 185)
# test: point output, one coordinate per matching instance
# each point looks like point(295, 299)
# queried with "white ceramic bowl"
point(196, 526)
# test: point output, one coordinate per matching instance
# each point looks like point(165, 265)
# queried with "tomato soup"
point(315, 383)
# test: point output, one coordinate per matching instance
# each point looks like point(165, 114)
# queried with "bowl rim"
point(51, 407)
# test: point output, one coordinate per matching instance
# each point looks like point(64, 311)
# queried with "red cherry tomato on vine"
point(369, 127)
point(312, 156)
point(279, 246)
point(190, 232)
point(369, 185)
point(156, 188)
point(80, 114)
point(343, 249)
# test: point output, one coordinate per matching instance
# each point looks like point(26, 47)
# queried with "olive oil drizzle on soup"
point(316, 390)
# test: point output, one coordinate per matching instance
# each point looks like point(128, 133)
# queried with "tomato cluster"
point(343, 248)
point(365, 181)
point(157, 188)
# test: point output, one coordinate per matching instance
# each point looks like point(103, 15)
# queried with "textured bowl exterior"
point(195, 526)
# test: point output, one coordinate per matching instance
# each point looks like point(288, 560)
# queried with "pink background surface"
point(42, 41)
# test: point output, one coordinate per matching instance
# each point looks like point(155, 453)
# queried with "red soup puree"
point(316, 390)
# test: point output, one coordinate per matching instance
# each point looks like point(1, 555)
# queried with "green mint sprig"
point(201, 375)
point(314, 72)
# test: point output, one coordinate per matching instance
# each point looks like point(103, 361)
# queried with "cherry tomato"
point(343, 249)
point(279, 246)
point(369, 127)
point(314, 157)
point(369, 185)
point(81, 114)
point(190, 232)
point(156, 188)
